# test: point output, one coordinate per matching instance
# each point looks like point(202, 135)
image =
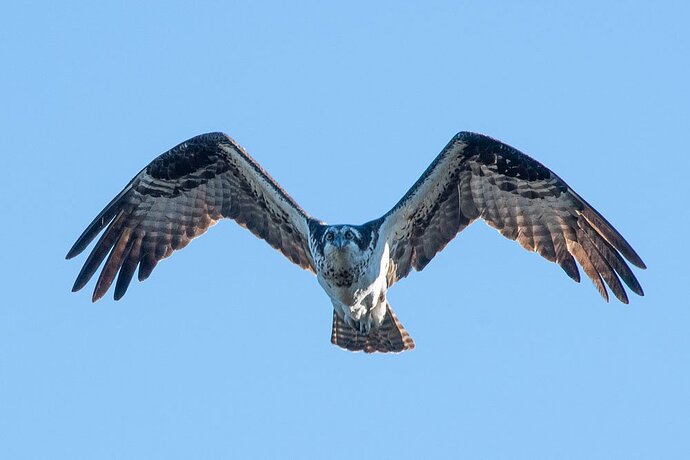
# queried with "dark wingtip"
point(610, 233)
point(633, 258)
point(75, 250)
point(570, 268)
point(637, 289)
point(622, 296)
point(103, 218)
point(79, 283)
point(119, 292)
point(97, 295)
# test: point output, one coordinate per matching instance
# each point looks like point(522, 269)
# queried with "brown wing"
point(176, 198)
point(476, 176)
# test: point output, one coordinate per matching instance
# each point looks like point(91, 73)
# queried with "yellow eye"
point(349, 235)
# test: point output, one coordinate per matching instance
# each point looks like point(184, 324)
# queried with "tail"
point(391, 337)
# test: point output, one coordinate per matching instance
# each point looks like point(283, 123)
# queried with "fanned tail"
point(391, 337)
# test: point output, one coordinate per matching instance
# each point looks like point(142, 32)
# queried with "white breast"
point(363, 295)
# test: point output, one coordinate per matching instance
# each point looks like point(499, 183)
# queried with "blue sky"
point(224, 352)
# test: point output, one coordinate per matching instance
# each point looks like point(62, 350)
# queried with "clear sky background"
point(224, 352)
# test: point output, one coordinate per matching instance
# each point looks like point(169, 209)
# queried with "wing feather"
point(175, 199)
point(129, 266)
point(584, 260)
point(476, 176)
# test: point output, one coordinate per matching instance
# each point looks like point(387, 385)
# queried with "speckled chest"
point(342, 274)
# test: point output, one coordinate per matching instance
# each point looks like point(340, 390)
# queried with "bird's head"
point(342, 238)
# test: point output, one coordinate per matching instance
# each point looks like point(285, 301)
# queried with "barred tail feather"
point(391, 337)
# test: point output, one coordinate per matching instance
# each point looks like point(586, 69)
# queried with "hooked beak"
point(339, 242)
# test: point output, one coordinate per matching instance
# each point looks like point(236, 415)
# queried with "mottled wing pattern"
point(476, 176)
point(175, 199)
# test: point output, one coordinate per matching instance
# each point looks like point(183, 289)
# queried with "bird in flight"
point(187, 189)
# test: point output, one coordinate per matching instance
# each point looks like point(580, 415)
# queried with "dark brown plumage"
point(475, 177)
point(177, 198)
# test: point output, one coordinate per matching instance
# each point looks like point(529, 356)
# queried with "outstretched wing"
point(476, 176)
point(176, 198)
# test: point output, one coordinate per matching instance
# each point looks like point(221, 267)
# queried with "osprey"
point(187, 189)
